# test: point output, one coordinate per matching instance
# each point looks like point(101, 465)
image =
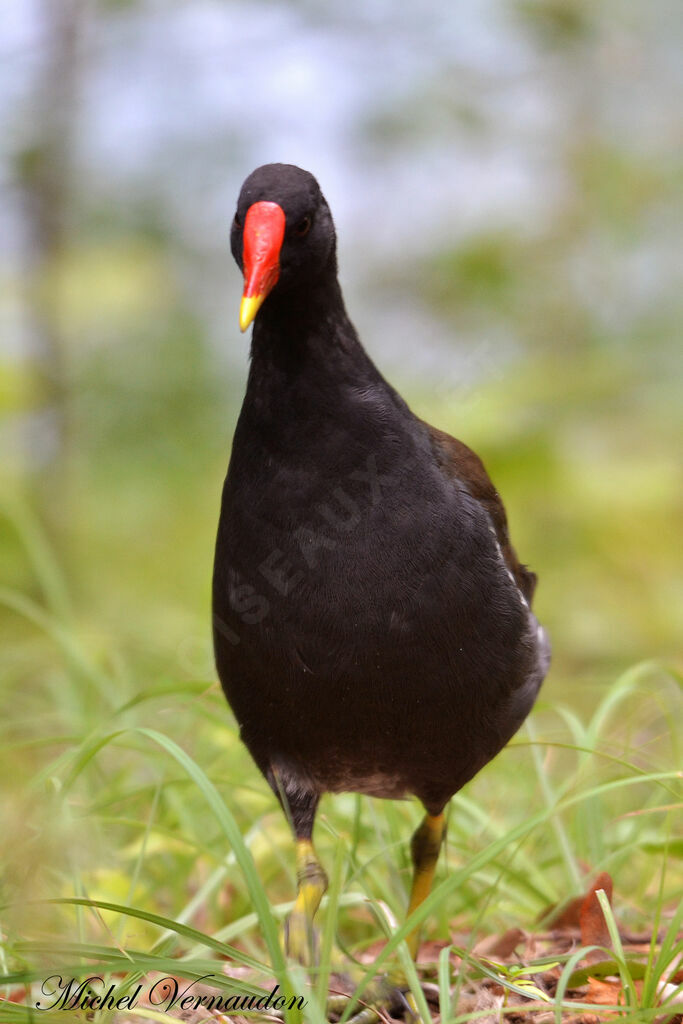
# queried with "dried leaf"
point(488, 1000)
point(566, 917)
point(604, 993)
point(429, 952)
point(594, 930)
point(563, 917)
point(370, 954)
point(17, 995)
point(499, 946)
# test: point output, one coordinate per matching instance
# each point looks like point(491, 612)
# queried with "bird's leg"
point(300, 803)
point(424, 848)
point(391, 991)
point(300, 936)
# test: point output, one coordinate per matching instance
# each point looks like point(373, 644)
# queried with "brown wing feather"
point(456, 459)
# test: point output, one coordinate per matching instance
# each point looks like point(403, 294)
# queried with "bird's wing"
point(457, 460)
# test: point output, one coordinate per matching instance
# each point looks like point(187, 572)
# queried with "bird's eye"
point(303, 227)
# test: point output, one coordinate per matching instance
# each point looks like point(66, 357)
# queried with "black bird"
point(372, 623)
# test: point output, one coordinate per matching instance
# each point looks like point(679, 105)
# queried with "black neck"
point(305, 356)
point(306, 330)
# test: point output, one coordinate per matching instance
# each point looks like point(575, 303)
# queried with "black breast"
point(368, 634)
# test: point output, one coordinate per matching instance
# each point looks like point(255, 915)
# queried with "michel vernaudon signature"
point(165, 994)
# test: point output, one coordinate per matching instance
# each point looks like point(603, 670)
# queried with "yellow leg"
point(311, 886)
point(424, 847)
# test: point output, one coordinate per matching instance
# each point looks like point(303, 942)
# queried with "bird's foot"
point(388, 998)
point(301, 939)
point(301, 935)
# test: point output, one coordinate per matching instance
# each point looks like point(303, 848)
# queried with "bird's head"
point(282, 236)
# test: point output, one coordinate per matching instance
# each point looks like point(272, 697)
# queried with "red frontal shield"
point(264, 231)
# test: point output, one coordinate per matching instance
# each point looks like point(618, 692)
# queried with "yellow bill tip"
point(249, 307)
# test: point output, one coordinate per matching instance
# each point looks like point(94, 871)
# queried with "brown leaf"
point(594, 930)
point(371, 952)
point(488, 1000)
point(429, 951)
point(567, 917)
point(564, 918)
point(500, 946)
point(17, 995)
point(604, 993)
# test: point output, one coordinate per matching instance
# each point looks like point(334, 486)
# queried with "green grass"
point(137, 837)
point(140, 838)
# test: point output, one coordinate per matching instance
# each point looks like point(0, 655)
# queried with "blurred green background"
point(505, 181)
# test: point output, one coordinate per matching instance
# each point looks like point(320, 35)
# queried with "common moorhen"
point(372, 623)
